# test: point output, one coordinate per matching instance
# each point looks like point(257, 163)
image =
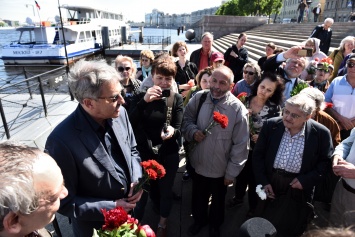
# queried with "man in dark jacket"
point(324, 34)
point(201, 57)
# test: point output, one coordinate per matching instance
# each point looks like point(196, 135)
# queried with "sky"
point(131, 9)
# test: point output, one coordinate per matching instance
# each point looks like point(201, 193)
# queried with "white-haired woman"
point(345, 48)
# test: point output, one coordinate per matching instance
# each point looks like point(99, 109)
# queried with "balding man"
point(291, 72)
point(219, 156)
point(202, 57)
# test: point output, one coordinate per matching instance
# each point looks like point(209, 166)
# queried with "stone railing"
point(224, 25)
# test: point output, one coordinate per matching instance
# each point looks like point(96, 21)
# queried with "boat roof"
point(81, 7)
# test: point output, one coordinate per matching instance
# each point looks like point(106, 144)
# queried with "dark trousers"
point(316, 17)
point(300, 16)
point(246, 179)
point(202, 189)
point(161, 190)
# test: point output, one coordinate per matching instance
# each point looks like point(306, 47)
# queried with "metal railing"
point(38, 84)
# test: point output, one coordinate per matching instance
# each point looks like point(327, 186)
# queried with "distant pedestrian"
point(316, 12)
point(324, 34)
point(178, 31)
point(182, 29)
point(202, 57)
point(301, 7)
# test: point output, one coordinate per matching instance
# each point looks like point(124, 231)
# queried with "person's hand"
point(269, 192)
point(336, 159)
point(292, 52)
point(185, 87)
point(199, 136)
point(296, 184)
point(168, 134)
point(344, 169)
point(153, 93)
point(345, 122)
point(233, 54)
point(184, 93)
point(254, 137)
point(130, 202)
point(227, 181)
point(138, 74)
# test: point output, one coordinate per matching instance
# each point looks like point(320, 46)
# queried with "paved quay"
point(36, 128)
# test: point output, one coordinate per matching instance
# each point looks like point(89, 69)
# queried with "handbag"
point(289, 213)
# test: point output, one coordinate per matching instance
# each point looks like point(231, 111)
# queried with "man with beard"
point(95, 148)
point(295, 64)
point(289, 159)
point(219, 155)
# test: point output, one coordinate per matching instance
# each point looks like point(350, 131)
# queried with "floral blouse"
point(256, 120)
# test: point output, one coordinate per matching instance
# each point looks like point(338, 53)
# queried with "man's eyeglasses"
point(250, 73)
point(288, 113)
point(145, 60)
point(121, 69)
point(112, 99)
point(351, 64)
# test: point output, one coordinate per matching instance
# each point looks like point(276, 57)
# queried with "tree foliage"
point(250, 7)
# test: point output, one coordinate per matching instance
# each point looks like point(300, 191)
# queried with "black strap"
point(169, 107)
point(202, 99)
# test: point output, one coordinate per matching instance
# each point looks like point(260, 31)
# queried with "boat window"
point(109, 33)
point(88, 34)
point(81, 36)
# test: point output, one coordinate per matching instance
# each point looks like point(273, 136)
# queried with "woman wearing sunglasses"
point(127, 70)
point(251, 73)
point(263, 103)
point(157, 135)
point(146, 59)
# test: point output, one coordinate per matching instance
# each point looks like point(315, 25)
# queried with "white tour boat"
point(86, 30)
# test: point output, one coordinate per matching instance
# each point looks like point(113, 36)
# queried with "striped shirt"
point(290, 152)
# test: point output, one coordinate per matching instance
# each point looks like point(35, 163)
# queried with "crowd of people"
point(286, 139)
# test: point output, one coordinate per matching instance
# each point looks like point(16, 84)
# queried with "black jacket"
point(183, 75)
point(196, 56)
point(325, 36)
point(236, 64)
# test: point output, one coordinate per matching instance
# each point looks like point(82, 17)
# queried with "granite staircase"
point(283, 35)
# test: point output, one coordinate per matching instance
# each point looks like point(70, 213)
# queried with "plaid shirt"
point(290, 152)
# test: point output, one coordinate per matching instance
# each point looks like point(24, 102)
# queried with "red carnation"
point(328, 105)
point(151, 170)
point(316, 59)
point(114, 218)
point(221, 119)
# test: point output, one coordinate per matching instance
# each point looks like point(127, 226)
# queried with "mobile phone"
point(305, 52)
point(165, 93)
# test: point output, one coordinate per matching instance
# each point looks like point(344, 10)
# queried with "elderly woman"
point(269, 50)
point(185, 70)
point(263, 103)
point(157, 130)
point(237, 56)
point(146, 58)
point(251, 73)
point(323, 72)
point(345, 48)
point(127, 70)
point(316, 53)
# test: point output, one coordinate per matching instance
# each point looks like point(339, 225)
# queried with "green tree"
point(230, 8)
point(2, 24)
point(272, 6)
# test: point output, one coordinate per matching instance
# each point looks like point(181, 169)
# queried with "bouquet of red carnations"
point(151, 170)
point(119, 224)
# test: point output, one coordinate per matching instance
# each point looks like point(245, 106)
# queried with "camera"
point(305, 52)
point(165, 93)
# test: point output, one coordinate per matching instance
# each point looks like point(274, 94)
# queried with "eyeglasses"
point(112, 99)
point(321, 69)
point(145, 60)
point(288, 113)
point(121, 69)
point(351, 65)
point(250, 73)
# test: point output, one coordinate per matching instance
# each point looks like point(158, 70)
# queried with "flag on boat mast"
point(37, 5)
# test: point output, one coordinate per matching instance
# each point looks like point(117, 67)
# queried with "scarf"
point(146, 71)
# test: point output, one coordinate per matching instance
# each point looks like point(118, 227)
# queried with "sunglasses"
point(351, 64)
point(321, 69)
point(288, 113)
point(145, 60)
point(121, 69)
point(250, 73)
point(112, 99)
